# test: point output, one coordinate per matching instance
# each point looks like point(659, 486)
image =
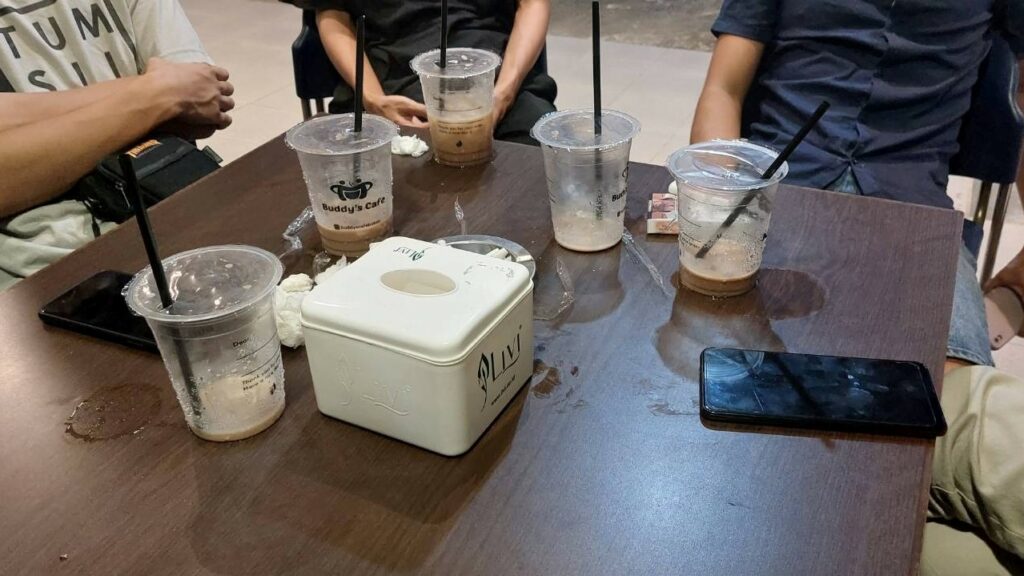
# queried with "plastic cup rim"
point(673, 158)
point(218, 315)
point(535, 132)
point(449, 72)
point(373, 144)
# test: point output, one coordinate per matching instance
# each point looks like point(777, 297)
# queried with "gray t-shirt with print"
point(48, 45)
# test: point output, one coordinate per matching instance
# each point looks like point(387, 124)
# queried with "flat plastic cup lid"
point(334, 134)
point(575, 130)
point(727, 165)
point(206, 283)
point(462, 63)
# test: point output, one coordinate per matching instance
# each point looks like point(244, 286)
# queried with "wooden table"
point(600, 466)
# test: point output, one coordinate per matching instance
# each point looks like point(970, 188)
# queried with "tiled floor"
point(659, 86)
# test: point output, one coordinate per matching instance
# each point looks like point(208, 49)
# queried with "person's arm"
point(338, 34)
point(524, 47)
point(42, 159)
point(719, 112)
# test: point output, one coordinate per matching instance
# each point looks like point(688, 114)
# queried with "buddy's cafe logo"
point(355, 191)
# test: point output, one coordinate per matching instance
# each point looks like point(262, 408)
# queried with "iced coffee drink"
point(459, 97)
point(348, 175)
point(724, 210)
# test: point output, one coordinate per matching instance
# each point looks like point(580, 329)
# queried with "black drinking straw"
point(159, 275)
point(142, 218)
point(779, 160)
point(360, 51)
point(595, 21)
point(444, 34)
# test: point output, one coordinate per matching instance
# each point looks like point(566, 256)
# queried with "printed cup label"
point(345, 203)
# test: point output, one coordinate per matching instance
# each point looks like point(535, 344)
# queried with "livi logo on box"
point(355, 191)
point(489, 370)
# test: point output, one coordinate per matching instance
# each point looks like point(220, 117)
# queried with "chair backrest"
point(315, 76)
point(993, 128)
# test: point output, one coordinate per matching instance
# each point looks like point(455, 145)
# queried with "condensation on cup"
point(460, 103)
point(349, 179)
point(587, 173)
point(715, 180)
point(219, 339)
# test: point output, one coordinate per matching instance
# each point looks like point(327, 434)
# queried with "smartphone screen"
point(96, 308)
point(853, 394)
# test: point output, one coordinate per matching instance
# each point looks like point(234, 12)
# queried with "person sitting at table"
point(899, 77)
point(398, 30)
point(80, 80)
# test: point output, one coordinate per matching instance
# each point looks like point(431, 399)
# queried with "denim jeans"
point(968, 328)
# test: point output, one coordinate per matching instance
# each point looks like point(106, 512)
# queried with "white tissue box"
point(420, 342)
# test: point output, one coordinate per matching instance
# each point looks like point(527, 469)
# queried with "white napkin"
point(409, 146)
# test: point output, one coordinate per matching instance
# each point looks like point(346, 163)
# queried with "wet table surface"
point(600, 465)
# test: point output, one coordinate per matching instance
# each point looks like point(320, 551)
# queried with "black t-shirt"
point(399, 30)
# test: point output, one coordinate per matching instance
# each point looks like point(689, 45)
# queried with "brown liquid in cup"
point(354, 242)
point(463, 143)
point(717, 285)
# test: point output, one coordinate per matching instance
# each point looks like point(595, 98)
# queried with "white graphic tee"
point(62, 44)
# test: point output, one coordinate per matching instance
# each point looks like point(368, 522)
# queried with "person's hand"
point(503, 100)
point(1012, 276)
point(400, 110)
point(200, 93)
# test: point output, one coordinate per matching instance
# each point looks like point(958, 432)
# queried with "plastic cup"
point(219, 339)
point(716, 179)
point(460, 102)
point(587, 175)
point(348, 175)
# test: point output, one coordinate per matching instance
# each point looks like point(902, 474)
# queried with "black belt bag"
point(163, 166)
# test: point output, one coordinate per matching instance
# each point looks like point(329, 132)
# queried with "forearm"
point(718, 115)
point(43, 159)
point(337, 32)
point(19, 109)
point(524, 44)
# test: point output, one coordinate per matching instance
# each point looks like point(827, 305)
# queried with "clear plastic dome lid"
point(461, 63)
point(206, 283)
point(576, 129)
point(728, 165)
point(335, 134)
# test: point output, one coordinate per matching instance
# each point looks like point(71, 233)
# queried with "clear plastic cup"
point(717, 179)
point(219, 339)
point(587, 175)
point(460, 103)
point(348, 175)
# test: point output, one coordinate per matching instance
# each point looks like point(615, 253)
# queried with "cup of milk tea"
point(460, 103)
point(724, 208)
point(218, 339)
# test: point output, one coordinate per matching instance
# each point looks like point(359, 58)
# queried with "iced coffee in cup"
point(586, 168)
point(460, 101)
point(348, 175)
point(724, 210)
point(219, 338)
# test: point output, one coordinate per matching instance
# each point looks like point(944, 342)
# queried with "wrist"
point(505, 93)
point(161, 97)
point(372, 103)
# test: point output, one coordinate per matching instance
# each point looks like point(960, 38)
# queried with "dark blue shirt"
point(898, 73)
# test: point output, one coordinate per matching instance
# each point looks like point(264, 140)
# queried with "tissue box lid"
point(420, 299)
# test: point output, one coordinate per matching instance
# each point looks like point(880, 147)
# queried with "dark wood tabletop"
point(600, 465)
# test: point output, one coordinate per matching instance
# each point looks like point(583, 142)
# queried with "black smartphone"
point(96, 308)
point(825, 392)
